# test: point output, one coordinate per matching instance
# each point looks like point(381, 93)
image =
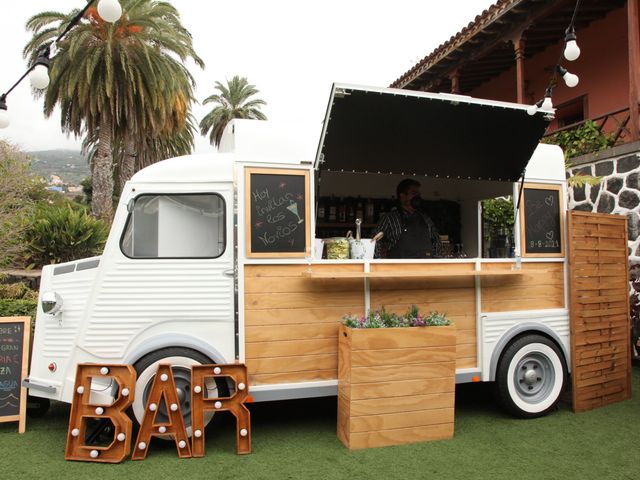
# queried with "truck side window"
point(175, 226)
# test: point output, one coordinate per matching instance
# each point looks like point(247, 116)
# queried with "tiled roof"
point(478, 24)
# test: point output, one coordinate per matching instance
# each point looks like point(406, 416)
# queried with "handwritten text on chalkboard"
point(542, 221)
point(11, 345)
point(277, 212)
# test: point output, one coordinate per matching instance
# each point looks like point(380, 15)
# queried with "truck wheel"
point(530, 376)
point(181, 360)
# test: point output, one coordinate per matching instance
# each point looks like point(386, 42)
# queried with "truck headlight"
point(51, 303)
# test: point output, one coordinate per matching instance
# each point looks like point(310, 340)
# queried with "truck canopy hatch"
point(438, 135)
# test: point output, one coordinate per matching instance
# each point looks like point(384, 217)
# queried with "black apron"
point(415, 241)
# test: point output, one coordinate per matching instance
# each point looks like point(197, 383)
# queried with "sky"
point(292, 51)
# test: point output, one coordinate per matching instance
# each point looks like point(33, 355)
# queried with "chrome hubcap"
point(534, 377)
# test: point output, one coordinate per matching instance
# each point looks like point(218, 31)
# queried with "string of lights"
point(570, 52)
point(38, 72)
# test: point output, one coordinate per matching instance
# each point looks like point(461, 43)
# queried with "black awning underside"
point(433, 135)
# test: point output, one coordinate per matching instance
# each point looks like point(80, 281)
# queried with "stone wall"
point(618, 192)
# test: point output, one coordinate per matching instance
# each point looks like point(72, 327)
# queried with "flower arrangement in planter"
point(384, 319)
point(396, 378)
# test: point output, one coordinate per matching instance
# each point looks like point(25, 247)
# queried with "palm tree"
point(232, 102)
point(117, 83)
point(132, 155)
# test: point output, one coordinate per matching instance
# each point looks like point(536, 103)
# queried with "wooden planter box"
point(395, 385)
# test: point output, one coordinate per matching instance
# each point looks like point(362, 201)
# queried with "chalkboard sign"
point(541, 221)
point(14, 349)
point(277, 213)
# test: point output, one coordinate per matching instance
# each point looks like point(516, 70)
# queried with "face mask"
point(416, 202)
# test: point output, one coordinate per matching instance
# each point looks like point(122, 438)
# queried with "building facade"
point(510, 53)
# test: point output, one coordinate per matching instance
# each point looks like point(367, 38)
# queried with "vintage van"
point(212, 259)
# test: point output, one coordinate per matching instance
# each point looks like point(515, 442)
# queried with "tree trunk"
point(128, 165)
point(102, 201)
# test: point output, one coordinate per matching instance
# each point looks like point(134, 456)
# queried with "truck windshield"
point(175, 226)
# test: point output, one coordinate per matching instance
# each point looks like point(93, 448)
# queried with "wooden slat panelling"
point(410, 400)
point(291, 322)
point(541, 286)
point(454, 297)
point(598, 272)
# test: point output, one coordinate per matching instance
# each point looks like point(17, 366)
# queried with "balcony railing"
point(616, 124)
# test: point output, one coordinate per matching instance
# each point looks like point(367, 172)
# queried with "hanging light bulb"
point(4, 115)
point(533, 109)
point(547, 104)
point(569, 78)
point(571, 49)
point(39, 76)
point(109, 10)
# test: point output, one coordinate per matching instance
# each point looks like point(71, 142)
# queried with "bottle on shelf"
point(333, 210)
point(351, 210)
point(342, 211)
point(369, 212)
point(322, 210)
point(359, 209)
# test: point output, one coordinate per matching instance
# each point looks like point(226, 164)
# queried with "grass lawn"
point(297, 439)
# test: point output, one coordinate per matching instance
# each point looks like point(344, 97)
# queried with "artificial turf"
point(297, 440)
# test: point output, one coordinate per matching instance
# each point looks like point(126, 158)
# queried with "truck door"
point(178, 278)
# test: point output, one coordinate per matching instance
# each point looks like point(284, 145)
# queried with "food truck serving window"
point(175, 226)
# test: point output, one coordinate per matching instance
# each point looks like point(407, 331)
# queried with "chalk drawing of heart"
point(549, 235)
point(549, 200)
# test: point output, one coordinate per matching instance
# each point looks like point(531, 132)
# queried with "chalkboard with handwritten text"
point(277, 212)
point(14, 345)
point(543, 221)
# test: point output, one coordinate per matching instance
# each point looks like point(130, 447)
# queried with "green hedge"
point(18, 308)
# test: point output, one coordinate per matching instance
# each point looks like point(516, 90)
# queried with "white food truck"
point(216, 258)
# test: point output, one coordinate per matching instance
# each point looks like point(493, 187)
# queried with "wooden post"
point(518, 46)
point(455, 81)
point(634, 66)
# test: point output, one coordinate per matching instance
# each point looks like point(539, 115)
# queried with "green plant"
point(19, 191)
point(587, 138)
point(580, 179)
point(383, 319)
point(498, 217)
point(10, 307)
point(60, 233)
point(16, 291)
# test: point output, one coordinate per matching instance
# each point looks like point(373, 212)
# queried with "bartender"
point(407, 232)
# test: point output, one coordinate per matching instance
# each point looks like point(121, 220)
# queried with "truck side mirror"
point(51, 303)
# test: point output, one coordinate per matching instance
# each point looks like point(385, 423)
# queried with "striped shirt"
point(392, 226)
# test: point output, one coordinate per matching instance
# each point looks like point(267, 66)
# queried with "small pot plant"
point(498, 218)
point(383, 319)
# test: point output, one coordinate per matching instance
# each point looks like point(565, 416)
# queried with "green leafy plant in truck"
point(497, 214)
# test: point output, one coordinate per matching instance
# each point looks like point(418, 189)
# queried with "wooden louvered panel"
point(599, 275)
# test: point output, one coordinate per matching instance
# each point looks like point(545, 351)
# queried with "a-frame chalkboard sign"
point(14, 362)
point(277, 213)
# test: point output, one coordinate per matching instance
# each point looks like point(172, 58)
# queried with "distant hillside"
point(70, 165)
